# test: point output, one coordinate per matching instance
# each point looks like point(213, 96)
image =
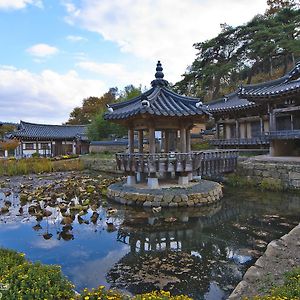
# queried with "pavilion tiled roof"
point(284, 86)
point(160, 100)
point(230, 102)
point(42, 131)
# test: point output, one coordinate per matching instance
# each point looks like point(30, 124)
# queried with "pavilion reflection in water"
point(185, 252)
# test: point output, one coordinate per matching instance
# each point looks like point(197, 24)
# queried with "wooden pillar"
point(272, 118)
point(237, 128)
point(183, 140)
point(131, 140)
point(166, 141)
point(151, 140)
point(272, 121)
point(224, 131)
point(140, 140)
point(218, 130)
point(188, 141)
point(292, 122)
point(262, 125)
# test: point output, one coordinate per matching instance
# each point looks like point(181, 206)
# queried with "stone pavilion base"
point(170, 194)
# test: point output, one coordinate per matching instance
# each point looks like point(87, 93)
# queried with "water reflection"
point(202, 252)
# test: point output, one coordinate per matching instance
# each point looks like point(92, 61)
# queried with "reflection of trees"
point(184, 250)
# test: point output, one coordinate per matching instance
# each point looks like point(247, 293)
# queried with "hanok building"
point(50, 140)
point(281, 99)
point(240, 123)
point(158, 109)
point(261, 114)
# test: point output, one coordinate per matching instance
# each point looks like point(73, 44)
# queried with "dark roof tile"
point(162, 102)
point(43, 131)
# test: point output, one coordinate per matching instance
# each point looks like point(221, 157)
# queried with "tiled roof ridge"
point(52, 125)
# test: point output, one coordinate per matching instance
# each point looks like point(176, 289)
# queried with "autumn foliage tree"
point(9, 145)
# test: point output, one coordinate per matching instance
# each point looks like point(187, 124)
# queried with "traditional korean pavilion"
point(158, 110)
point(261, 115)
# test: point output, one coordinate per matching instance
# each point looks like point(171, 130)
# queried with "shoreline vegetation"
point(22, 279)
point(35, 165)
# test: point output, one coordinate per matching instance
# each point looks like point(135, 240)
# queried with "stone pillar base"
point(183, 180)
point(153, 183)
point(140, 176)
point(131, 180)
point(190, 176)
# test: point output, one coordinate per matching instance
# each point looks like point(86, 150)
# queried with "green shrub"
point(26, 280)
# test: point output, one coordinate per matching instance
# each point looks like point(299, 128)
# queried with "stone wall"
point(281, 172)
point(205, 192)
point(280, 256)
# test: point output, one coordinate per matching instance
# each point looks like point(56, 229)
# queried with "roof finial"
point(159, 75)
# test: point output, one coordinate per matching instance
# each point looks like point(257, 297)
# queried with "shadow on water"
point(201, 252)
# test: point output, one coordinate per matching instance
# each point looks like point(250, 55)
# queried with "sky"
point(55, 53)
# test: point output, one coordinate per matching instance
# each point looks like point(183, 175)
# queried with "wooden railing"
point(284, 134)
point(262, 140)
point(204, 163)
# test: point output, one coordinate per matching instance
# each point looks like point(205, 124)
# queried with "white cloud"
point(47, 97)
point(19, 4)
point(42, 50)
point(161, 29)
point(117, 74)
point(76, 38)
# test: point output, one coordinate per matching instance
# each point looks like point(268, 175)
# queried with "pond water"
point(200, 252)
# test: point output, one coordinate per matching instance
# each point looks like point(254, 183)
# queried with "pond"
point(201, 252)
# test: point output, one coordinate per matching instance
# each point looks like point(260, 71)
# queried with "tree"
point(9, 145)
point(238, 54)
point(277, 5)
point(90, 107)
point(100, 129)
point(5, 128)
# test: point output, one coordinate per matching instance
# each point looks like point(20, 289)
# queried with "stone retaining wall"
point(282, 173)
point(280, 257)
point(167, 197)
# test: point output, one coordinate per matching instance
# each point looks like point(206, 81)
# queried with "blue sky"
point(54, 53)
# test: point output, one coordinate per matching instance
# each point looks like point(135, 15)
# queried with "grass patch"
point(289, 290)
point(21, 279)
point(12, 167)
point(201, 146)
point(266, 184)
point(104, 155)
